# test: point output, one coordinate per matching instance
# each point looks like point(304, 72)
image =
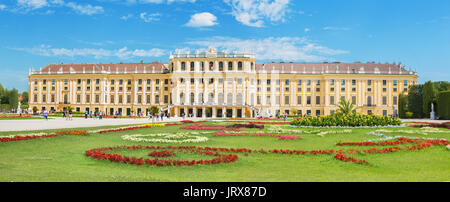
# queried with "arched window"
point(251, 66)
point(202, 66)
point(211, 98)
point(240, 66)
point(230, 66)
point(211, 66)
point(220, 98)
point(192, 67)
point(183, 66)
point(221, 66)
point(229, 99)
point(192, 98)
point(200, 98)
point(239, 99)
point(182, 98)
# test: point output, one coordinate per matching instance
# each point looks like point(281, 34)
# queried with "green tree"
point(25, 97)
point(402, 105)
point(13, 98)
point(429, 96)
point(415, 101)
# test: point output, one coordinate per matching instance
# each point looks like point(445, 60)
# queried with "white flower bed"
point(275, 129)
point(166, 138)
point(385, 137)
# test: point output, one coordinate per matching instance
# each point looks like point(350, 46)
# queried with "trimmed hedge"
point(352, 120)
point(443, 102)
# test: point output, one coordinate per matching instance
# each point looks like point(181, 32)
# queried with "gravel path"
point(59, 123)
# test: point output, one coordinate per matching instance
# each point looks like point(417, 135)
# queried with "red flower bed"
point(19, 138)
point(245, 126)
point(123, 129)
point(100, 154)
point(56, 134)
point(163, 153)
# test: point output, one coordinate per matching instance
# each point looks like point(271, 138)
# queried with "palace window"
point(230, 66)
point(140, 81)
point(332, 100)
point(308, 100)
point(332, 82)
point(220, 66)
point(239, 66)
point(384, 82)
point(299, 99)
point(192, 66)
point(369, 82)
point(317, 100)
point(211, 66)
point(308, 82)
point(299, 82)
point(353, 82)
point(286, 99)
point(343, 82)
point(394, 100)
point(183, 66)
point(395, 82)
point(318, 82)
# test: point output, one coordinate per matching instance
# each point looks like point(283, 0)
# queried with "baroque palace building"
point(219, 84)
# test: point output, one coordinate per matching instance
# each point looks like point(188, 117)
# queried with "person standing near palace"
point(45, 114)
point(70, 114)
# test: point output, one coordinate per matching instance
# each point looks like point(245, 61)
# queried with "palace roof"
point(332, 68)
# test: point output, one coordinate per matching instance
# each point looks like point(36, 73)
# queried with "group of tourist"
point(96, 114)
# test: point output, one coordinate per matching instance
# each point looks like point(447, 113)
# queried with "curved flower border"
point(167, 138)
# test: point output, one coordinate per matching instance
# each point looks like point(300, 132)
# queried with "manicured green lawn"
point(63, 159)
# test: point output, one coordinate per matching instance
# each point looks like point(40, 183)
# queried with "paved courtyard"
point(59, 123)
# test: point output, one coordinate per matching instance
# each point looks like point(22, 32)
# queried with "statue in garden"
point(432, 114)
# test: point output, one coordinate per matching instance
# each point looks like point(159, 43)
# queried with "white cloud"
point(202, 20)
point(126, 17)
point(150, 17)
point(254, 12)
point(85, 9)
point(272, 48)
point(2, 6)
point(123, 53)
point(329, 28)
point(27, 5)
point(307, 30)
point(32, 4)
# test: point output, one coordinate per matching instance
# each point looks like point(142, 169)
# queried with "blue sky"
point(34, 33)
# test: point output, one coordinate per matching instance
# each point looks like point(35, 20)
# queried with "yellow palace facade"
point(219, 84)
